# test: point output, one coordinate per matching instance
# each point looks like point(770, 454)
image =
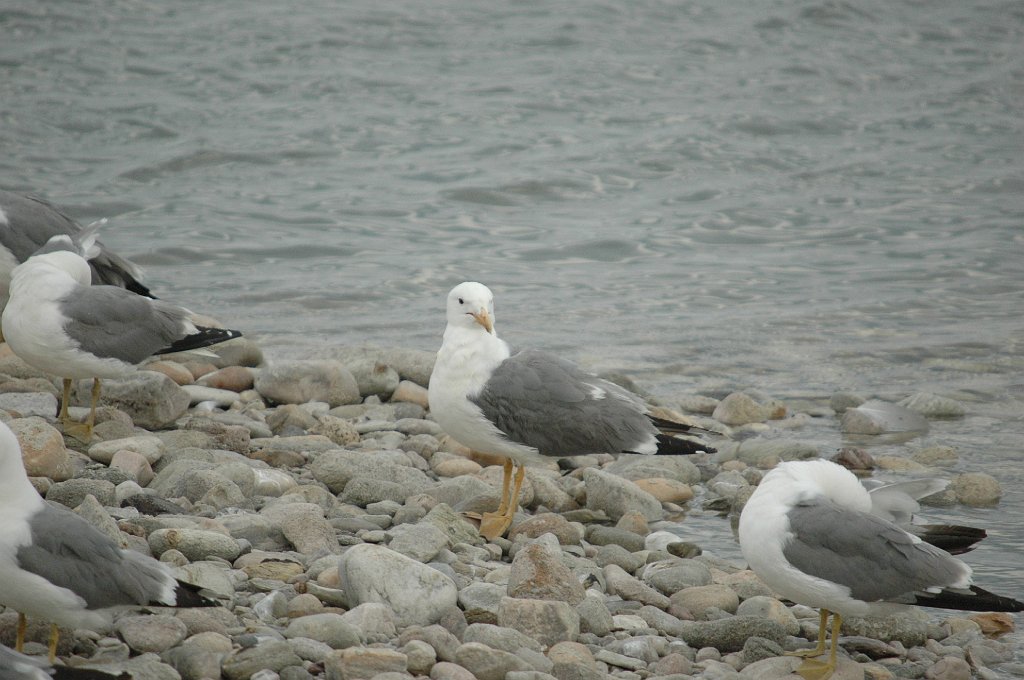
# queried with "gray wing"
point(874, 558)
point(71, 553)
point(548, 403)
point(31, 222)
point(15, 666)
point(897, 502)
point(111, 322)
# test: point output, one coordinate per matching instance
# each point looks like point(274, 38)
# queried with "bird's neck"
point(41, 276)
point(471, 353)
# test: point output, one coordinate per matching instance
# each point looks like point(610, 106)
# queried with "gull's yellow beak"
point(484, 319)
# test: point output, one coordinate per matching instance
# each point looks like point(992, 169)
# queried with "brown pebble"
point(234, 378)
point(173, 370)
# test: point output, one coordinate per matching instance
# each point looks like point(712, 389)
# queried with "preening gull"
point(17, 666)
point(897, 502)
point(58, 567)
point(56, 321)
point(27, 222)
point(530, 405)
point(809, 533)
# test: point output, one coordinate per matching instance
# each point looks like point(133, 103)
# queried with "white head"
point(471, 306)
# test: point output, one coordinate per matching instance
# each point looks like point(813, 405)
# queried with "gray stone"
point(876, 417)
point(629, 588)
point(155, 633)
point(497, 637)
point(330, 629)
point(730, 634)
point(357, 663)
point(269, 654)
point(337, 468)
point(418, 594)
point(617, 496)
point(439, 639)
point(28, 404)
point(411, 364)
point(151, 399)
point(374, 377)
point(933, 406)
point(546, 621)
point(769, 608)
point(91, 511)
point(195, 544)
point(144, 667)
point(602, 535)
point(594, 616)
point(299, 382)
point(908, 627)
point(662, 622)
point(670, 577)
point(739, 408)
point(374, 621)
point(699, 599)
point(304, 525)
point(538, 572)
point(72, 492)
point(486, 663)
point(619, 556)
point(972, 488)
point(207, 575)
point(363, 491)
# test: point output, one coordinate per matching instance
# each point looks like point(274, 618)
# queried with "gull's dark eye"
point(461, 302)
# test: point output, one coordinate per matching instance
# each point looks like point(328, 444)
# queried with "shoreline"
point(330, 523)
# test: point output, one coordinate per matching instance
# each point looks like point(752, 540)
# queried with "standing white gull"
point(58, 567)
point(809, 533)
point(56, 321)
point(530, 405)
point(27, 222)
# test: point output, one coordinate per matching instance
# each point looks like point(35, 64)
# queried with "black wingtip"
point(952, 538)
point(204, 338)
point(72, 673)
point(190, 595)
point(674, 446)
point(977, 600)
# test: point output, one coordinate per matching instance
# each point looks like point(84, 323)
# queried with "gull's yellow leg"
point(54, 635)
point(812, 669)
point(820, 649)
point(64, 417)
point(494, 524)
point(19, 641)
point(82, 431)
point(506, 482)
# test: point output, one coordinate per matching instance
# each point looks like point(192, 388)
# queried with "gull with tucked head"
point(810, 533)
point(531, 406)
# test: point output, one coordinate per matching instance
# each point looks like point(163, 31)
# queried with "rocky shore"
point(323, 507)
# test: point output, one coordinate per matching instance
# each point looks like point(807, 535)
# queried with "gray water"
point(795, 197)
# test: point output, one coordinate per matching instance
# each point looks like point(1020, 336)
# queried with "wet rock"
point(877, 417)
point(933, 406)
point(739, 409)
point(976, 489)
